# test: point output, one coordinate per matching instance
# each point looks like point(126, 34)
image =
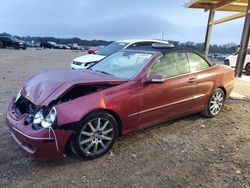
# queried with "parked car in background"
point(63, 46)
point(86, 61)
point(75, 46)
point(29, 44)
point(217, 56)
point(93, 50)
point(49, 45)
point(129, 90)
point(232, 59)
point(10, 41)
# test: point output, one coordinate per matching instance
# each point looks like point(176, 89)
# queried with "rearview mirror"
point(154, 79)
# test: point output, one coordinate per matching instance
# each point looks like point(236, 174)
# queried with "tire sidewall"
point(74, 143)
point(209, 102)
point(248, 69)
point(227, 62)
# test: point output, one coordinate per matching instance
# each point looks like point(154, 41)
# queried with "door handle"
point(192, 80)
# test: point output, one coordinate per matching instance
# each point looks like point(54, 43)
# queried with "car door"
point(4, 41)
point(8, 42)
point(233, 59)
point(172, 98)
point(205, 80)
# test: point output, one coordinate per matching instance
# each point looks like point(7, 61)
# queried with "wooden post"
point(209, 32)
point(244, 44)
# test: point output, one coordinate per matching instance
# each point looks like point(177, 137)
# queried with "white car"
point(232, 59)
point(86, 61)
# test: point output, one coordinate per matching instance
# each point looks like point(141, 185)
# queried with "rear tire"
point(227, 62)
point(95, 135)
point(247, 69)
point(16, 47)
point(214, 104)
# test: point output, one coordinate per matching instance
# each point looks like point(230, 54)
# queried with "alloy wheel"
point(216, 102)
point(96, 136)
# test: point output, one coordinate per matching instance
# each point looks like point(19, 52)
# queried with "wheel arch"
point(74, 126)
point(247, 65)
point(227, 62)
point(114, 114)
point(224, 90)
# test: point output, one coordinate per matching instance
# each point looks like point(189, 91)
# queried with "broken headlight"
point(46, 120)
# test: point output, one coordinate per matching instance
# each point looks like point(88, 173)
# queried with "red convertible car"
point(127, 91)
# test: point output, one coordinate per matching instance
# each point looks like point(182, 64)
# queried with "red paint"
point(47, 86)
point(93, 50)
point(38, 143)
point(138, 105)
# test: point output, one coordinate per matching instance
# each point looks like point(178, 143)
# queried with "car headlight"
point(38, 118)
point(46, 121)
point(18, 96)
point(77, 63)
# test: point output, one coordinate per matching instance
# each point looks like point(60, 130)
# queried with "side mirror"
point(154, 79)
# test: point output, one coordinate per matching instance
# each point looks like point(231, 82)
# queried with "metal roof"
point(219, 5)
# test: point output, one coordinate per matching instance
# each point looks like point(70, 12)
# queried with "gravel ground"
point(187, 152)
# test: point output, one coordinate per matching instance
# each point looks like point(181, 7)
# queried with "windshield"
point(123, 64)
point(53, 43)
point(112, 48)
point(15, 39)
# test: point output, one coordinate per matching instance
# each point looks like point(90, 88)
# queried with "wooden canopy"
point(219, 5)
point(241, 8)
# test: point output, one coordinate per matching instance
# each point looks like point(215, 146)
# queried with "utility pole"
point(162, 35)
point(209, 31)
point(244, 44)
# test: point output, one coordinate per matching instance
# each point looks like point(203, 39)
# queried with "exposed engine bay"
point(24, 106)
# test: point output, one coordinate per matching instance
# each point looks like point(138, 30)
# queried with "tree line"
point(224, 49)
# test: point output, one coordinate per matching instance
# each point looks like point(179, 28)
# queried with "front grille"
point(23, 106)
point(77, 63)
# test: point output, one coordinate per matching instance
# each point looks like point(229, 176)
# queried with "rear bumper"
point(43, 144)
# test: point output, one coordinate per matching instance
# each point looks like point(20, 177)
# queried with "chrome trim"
point(31, 137)
point(162, 106)
point(158, 80)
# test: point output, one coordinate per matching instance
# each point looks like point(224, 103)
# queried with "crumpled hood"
point(46, 86)
point(89, 58)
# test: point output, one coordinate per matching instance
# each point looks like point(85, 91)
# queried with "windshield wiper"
point(103, 72)
point(91, 63)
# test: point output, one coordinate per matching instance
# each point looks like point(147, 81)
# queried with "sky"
point(113, 20)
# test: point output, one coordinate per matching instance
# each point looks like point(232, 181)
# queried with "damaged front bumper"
point(42, 144)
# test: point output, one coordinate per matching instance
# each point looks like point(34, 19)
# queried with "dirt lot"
point(188, 152)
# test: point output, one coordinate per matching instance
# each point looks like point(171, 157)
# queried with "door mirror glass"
point(154, 79)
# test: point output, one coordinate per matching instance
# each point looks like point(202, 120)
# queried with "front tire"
point(247, 69)
point(95, 135)
point(215, 103)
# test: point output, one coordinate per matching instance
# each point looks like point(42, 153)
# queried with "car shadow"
point(72, 159)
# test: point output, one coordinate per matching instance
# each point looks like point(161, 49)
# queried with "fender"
point(75, 110)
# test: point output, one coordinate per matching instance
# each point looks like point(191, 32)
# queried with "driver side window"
point(170, 65)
